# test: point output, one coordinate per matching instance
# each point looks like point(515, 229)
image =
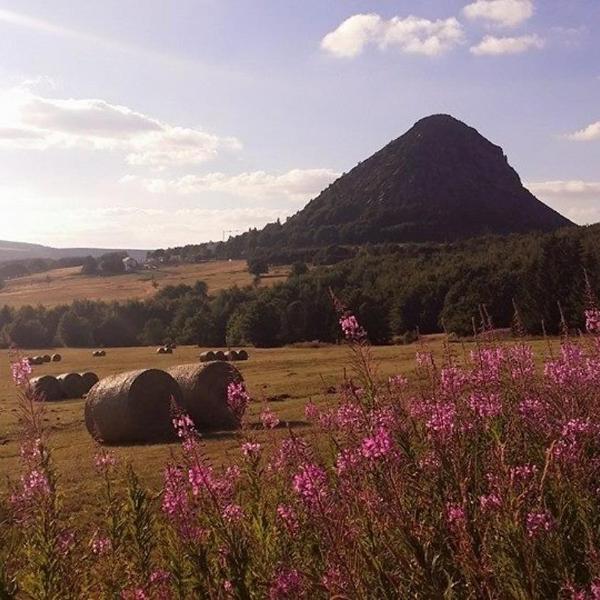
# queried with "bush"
point(74, 330)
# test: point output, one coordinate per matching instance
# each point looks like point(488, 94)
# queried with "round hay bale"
point(72, 385)
point(160, 350)
point(30, 360)
point(207, 356)
point(132, 407)
point(90, 380)
point(231, 355)
point(38, 360)
point(242, 355)
point(220, 355)
point(56, 358)
point(46, 389)
point(168, 350)
point(204, 390)
point(46, 358)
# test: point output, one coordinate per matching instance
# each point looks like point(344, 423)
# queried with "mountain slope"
point(21, 250)
point(440, 181)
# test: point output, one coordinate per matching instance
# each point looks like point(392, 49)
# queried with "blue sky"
point(153, 123)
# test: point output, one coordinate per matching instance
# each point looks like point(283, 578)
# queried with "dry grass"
point(62, 286)
point(285, 377)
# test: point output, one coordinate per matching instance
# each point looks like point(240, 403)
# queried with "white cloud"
point(30, 121)
point(294, 185)
point(578, 200)
point(587, 134)
point(504, 13)
point(411, 35)
point(495, 46)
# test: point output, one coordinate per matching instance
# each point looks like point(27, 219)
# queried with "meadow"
point(456, 470)
point(285, 378)
point(62, 286)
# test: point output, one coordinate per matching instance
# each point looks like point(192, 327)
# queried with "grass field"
point(299, 373)
point(62, 286)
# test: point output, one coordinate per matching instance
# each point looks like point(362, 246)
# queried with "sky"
point(153, 123)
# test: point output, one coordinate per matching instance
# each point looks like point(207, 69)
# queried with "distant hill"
point(441, 181)
point(21, 250)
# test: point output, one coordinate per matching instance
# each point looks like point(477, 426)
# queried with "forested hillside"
point(394, 289)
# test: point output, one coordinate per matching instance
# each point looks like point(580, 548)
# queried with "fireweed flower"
point(485, 406)
point(455, 515)
point(452, 380)
point(310, 483)
point(21, 370)
point(311, 412)
point(425, 359)
point(490, 503)
point(521, 361)
point(100, 545)
point(134, 594)
point(442, 420)
point(104, 461)
point(34, 485)
point(287, 516)
point(397, 381)
point(269, 419)
point(251, 450)
point(286, 585)
point(351, 329)
point(377, 445)
point(537, 522)
point(347, 460)
point(233, 513)
point(592, 320)
point(184, 426)
point(237, 399)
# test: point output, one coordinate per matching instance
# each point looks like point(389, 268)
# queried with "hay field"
point(62, 286)
point(299, 373)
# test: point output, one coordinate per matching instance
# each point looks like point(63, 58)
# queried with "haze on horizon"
point(155, 123)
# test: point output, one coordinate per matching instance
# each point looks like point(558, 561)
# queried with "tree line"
point(393, 289)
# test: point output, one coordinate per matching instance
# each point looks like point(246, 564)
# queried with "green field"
point(299, 373)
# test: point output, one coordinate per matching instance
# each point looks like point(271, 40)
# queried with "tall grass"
point(479, 478)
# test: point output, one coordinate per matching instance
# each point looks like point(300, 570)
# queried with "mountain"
point(440, 181)
point(21, 250)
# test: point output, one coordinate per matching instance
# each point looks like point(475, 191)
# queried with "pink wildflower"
point(21, 370)
point(485, 406)
point(286, 585)
point(425, 359)
point(310, 483)
point(592, 320)
point(269, 419)
point(490, 502)
point(251, 450)
point(311, 412)
point(237, 399)
point(134, 594)
point(537, 522)
point(441, 421)
point(100, 545)
point(287, 515)
point(351, 329)
point(233, 513)
point(378, 445)
point(347, 460)
point(455, 515)
point(104, 461)
point(397, 381)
